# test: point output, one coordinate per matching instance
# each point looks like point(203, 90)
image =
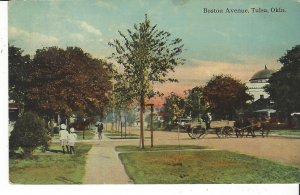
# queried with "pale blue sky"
point(237, 44)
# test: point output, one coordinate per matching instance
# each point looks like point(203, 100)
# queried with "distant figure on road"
point(99, 126)
point(63, 136)
point(207, 119)
point(71, 140)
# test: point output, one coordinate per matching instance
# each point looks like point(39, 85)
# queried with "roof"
point(262, 74)
point(266, 110)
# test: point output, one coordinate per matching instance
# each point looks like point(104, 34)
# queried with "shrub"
point(29, 133)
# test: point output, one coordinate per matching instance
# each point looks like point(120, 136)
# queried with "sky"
point(238, 44)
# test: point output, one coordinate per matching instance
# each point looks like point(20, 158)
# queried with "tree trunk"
point(125, 125)
point(151, 125)
point(121, 128)
point(142, 103)
point(68, 123)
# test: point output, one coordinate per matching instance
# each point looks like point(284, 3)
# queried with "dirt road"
point(281, 149)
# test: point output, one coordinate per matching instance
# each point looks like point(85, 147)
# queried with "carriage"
point(226, 128)
point(199, 129)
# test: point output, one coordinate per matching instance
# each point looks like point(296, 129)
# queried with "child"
point(63, 136)
point(71, 140)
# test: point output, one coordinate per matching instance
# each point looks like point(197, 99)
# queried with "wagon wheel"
point(191, 135)
point(228, 131)
point(197, 132)
point(190, 132)
point(200, 132)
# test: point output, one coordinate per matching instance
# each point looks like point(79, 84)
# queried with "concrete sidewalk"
point(103, 164)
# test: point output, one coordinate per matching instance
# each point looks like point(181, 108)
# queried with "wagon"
point(222, 128)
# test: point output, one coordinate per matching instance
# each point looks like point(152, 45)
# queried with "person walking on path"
point(99, 129)
point(71, 140)
point(63, 137)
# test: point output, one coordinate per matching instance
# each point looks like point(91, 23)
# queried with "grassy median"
point(202, 167)
point(285, 132)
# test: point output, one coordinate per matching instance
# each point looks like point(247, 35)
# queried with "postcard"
point(188, 92)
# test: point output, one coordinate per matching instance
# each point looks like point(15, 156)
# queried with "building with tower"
point(257, 83)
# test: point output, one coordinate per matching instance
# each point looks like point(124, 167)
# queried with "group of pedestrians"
point(67, 140)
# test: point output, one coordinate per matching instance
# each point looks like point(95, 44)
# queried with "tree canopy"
point(174, 107)
point(284, 85)
point(18, 65)
point(194, 106)
point(147, 56)
point(67, 81)
point(225, 95)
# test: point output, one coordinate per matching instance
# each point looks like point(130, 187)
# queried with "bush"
point(29, 132)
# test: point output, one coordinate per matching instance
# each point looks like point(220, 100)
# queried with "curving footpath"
point(103, 164)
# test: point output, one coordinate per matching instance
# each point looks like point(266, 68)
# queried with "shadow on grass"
point(66, 180)
point(55, 151)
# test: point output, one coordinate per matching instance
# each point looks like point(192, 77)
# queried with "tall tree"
point(194, 105)
point(68, 81)
point(122, 101)
point(147, 56)
point(284, 84)
point(174, 107)
point(225, 95)
point(18, 66)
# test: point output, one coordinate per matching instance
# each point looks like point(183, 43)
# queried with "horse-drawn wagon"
point(222, 128)
point(226, 128)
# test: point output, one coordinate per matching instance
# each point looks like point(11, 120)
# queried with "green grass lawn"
point(115, 135)
point(51, 167)
point(202, 167)
point(131, 148)
point(88, 134)
point(286, 132)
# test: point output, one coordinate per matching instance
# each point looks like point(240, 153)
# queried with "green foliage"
point(29, 133)
point(174, 107)
point(225, 95)
point(284, 84)
point(147, 56)
point(193, 105)
point(68, 81)
point(18, 66)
